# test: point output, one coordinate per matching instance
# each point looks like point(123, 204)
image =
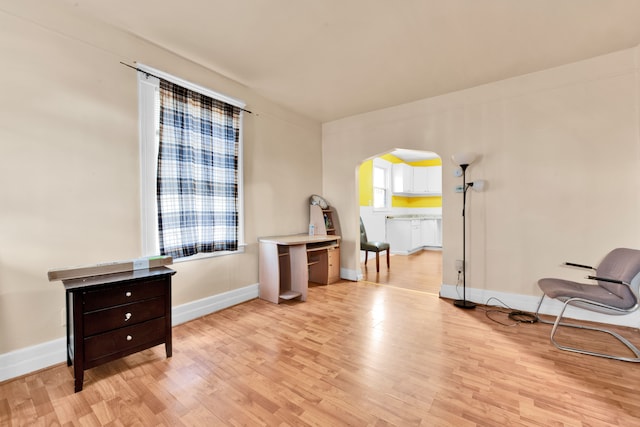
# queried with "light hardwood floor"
point(420, 271)
point(359, 354)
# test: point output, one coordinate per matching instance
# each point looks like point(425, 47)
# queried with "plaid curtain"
point(197, 173)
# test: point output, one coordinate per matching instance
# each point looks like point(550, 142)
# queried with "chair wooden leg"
point(388, 265)
point(377, 262)
point(366, 257)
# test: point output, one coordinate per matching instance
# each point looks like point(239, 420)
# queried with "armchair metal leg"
point(557, 323)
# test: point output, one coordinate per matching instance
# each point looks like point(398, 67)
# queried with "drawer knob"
point(129, 337)
point(127, 316)
point(127, 294)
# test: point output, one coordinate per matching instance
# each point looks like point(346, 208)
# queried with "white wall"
point(558, 148)
point(69, 171)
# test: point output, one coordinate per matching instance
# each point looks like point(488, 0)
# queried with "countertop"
point(410, 217)
point(298, 239)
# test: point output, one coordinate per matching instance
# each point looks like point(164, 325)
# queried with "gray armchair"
point(377, 247)
point(615, 293)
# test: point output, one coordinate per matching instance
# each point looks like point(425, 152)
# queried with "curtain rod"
point(157, 77)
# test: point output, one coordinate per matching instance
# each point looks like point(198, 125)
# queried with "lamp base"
point(464, 303)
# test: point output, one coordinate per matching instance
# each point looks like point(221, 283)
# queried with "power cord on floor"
point(517, 316)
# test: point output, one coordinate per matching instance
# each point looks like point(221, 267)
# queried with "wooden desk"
point(113, 315)
point(286, 263)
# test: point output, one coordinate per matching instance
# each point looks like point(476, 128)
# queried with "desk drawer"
point(122, 294)
point(123, 315)
point(123, 339)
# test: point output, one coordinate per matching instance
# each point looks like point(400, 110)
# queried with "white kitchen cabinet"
point(402, 178)
point(428, 232)
point(404, 235)
point(420, 178)
point(416, 235)
point(427, 180)
point(431, 232)
point(399, 235)
point(434, 179)
point(415, 181)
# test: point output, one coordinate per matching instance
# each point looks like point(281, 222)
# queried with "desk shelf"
point(325, 221)
point(290, 295)
point(288, 263)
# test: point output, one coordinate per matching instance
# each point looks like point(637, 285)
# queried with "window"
point(191, 168)
point(381, 184)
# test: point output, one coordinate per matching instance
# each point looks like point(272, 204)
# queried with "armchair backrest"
point(621, 264)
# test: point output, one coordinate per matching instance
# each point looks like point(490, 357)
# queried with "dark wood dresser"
point(113, 315)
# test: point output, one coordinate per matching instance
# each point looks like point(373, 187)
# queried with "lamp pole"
point(463, 303)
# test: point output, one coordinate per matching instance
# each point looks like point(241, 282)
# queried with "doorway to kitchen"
point(420, 271)
point(400, 199)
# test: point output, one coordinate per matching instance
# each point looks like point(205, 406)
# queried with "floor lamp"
point(464, 160)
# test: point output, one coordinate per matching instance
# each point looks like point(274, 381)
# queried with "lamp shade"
point(478, 184)
point(463, 158)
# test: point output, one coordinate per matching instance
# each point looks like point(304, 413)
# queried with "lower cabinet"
point(404, 236)
point(410, 235)
point(431, 234)
point(324, 265)
point(334, 264)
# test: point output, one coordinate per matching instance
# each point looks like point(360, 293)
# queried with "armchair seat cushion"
point(564, 289)
point(374, 246)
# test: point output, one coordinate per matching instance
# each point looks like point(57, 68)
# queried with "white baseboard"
point(192, 310)
point(30, 359)
point(348, 274)
point(530, 304)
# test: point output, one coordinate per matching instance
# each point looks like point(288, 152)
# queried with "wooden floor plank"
point(365, 353)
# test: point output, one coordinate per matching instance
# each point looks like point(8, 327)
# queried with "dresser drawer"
point(123, 315)
point(123, 339)
point(122, 294)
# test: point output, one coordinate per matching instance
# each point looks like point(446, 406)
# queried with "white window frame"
point(387, 167)
point(149, 120)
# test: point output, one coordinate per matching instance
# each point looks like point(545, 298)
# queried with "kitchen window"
point(381, 185)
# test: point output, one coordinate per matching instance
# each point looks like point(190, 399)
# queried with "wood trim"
point(108, 268)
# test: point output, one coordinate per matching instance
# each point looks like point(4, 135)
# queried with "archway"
point(400, 202)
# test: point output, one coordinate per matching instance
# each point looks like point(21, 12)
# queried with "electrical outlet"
point(459, 265)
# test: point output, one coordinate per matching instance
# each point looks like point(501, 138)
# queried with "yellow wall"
point(365, 177)
point(366, 185)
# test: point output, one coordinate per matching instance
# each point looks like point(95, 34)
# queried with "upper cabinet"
point(415, 181)
point(402, 175)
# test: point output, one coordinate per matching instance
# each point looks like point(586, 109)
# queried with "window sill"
point(197, 257)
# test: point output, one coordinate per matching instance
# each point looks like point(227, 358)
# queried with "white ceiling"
point(329, 59)
point(413, 155)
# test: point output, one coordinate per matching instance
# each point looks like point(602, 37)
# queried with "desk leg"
point(269, 264)
point(299, 270)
